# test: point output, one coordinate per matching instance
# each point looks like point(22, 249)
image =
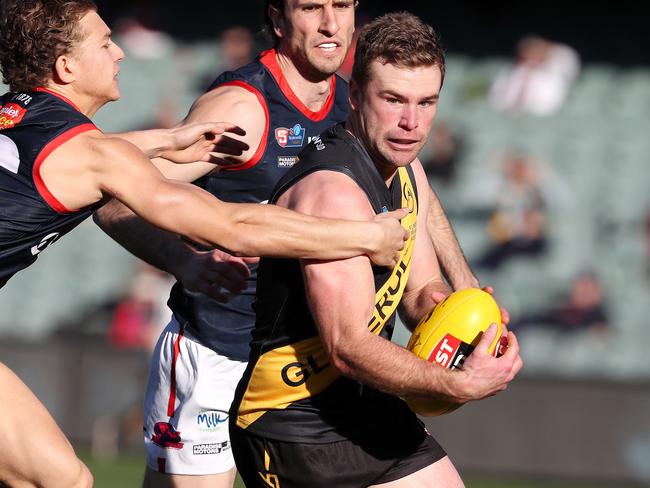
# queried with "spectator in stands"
point(441, 154)
point(236, 46)
point(582, 309)
point(139, 32)
point(137, 317)
point(517, 224)
point(539, 79)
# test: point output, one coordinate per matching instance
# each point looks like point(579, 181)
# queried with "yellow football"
point(449, 333)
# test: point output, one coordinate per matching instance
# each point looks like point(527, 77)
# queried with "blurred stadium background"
point(580, 413)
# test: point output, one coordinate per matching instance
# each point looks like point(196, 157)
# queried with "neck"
point(86, 105)
point(310, 87)
point(385, 169)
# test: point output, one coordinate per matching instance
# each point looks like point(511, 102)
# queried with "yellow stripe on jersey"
point(300, 370)
point(390, 294)
point(285, 375)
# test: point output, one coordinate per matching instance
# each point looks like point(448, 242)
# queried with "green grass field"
point(127, 470)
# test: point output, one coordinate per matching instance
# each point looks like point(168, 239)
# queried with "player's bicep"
point(239, 105)
point(340, 293)
point(124, 172)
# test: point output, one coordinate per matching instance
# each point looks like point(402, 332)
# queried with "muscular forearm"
point(268, 230)
point(157, 247)
point(256, 230)
point(448, 250)
point(392, 369)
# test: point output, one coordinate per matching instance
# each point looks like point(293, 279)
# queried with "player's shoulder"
point(329, 193)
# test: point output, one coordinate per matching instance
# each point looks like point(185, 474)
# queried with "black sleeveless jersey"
point(32, 125)
point(289, 127)
point(289, 391)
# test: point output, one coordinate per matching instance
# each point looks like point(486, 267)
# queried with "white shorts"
point(189, 392)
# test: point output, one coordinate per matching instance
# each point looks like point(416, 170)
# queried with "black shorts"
point(268, 463)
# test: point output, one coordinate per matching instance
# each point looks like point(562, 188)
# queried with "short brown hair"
point(400, 39)
point(33, 34)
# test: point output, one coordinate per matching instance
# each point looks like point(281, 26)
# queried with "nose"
point(409, 120)
point(118, 52)
point(328, 25)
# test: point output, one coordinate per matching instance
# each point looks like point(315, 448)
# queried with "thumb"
point(395, 214)
point(438, 296)
point(487, 338)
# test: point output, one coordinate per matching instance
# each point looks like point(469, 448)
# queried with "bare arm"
point(165, 250)
point(446, 244)
point(342, 317)
point(199, 271)
point(89, 166)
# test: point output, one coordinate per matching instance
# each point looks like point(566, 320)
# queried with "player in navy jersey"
point(283, 100)
point(56, 167)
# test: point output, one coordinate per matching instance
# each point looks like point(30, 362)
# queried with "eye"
point(392, 100)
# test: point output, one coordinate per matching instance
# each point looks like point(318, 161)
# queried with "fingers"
point(513, 347)
point(487, 339)
point(395, 214)
point(221, 127)
point(227, 145)
point(505, 316)
point(251, 260)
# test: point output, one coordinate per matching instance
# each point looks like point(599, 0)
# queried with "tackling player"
point(56, 167)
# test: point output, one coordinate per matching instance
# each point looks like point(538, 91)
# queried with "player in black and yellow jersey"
point(319, 404)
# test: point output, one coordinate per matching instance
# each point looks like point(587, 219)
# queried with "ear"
point(64, 68)
point(277, 18)
point(354, 95)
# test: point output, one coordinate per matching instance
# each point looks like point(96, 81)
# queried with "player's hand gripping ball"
point(449, 333)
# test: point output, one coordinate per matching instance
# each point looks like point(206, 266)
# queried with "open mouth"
point(328, 47)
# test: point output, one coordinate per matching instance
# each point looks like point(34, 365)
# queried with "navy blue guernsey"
point(32, 125)
point(290, 125)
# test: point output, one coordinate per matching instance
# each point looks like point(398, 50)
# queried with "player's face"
point(96, 59)
point(396, 110)
point(317, 33)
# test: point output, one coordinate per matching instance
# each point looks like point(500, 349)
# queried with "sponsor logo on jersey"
point(47, 241)
point(450, 352)
point(166, 436)
point(210, 420)
point(203, 449)
point(10, 115)
point(298, 372)
point(293, 137)
point(317, 142)
point(287, 161)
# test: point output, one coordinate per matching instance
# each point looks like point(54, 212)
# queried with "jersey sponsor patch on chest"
point(10, 115)
point(290, 137)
